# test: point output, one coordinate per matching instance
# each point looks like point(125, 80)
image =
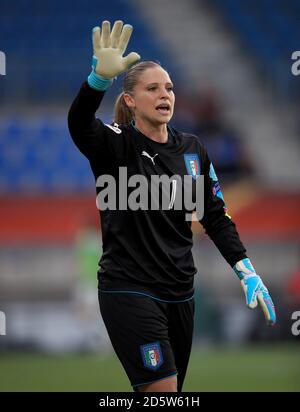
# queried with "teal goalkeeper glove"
point(108, 48)
point(255, 291)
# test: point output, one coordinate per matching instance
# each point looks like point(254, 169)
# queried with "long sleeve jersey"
point(149, 251)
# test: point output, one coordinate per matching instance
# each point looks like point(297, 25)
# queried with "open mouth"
point(163, 108)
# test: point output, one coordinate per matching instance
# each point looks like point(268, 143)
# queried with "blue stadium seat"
point(51, 41)
point(40, 156)
point(269, 30)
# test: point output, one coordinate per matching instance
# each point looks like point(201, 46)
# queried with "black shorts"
point(151, 338)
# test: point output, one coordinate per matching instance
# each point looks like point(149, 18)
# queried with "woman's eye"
point(170, 89)
point(152, 88)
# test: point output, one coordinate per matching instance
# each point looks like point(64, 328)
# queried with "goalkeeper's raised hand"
point(255, 291)
point(109, 47)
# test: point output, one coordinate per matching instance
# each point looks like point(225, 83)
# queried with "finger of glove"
point(250, 293)
point(268, 308)
point(130, 59)
point(96, 38)
point(125, 37)
point(105, 35)
point(116, 33)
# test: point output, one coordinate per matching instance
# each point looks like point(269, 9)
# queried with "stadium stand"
point(46, 41)
point(269, 30)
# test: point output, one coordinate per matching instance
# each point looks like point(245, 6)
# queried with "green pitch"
point(262, 368)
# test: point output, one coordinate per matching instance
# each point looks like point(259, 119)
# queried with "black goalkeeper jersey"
point(149, 251)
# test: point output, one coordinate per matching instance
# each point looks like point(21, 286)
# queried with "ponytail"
point(122, 113)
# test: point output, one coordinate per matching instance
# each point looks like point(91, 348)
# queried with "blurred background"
point(231, 64)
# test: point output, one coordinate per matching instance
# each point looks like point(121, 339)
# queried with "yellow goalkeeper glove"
point(109, 47)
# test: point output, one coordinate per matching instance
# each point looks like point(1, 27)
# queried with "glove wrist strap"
point(244, 269)
point(98, 82)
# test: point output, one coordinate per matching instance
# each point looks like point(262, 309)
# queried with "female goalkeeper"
point(147, 271)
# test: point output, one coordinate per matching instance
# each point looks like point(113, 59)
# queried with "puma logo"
point(150, 157)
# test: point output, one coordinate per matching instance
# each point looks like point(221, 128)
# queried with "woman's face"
point(152, 100)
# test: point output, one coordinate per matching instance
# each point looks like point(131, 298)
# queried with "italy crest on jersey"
point(152, 356)
point(192, 164)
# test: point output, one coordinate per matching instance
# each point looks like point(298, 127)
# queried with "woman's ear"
point(129, 100)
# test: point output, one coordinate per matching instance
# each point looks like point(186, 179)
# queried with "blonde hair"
point(122, 113)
